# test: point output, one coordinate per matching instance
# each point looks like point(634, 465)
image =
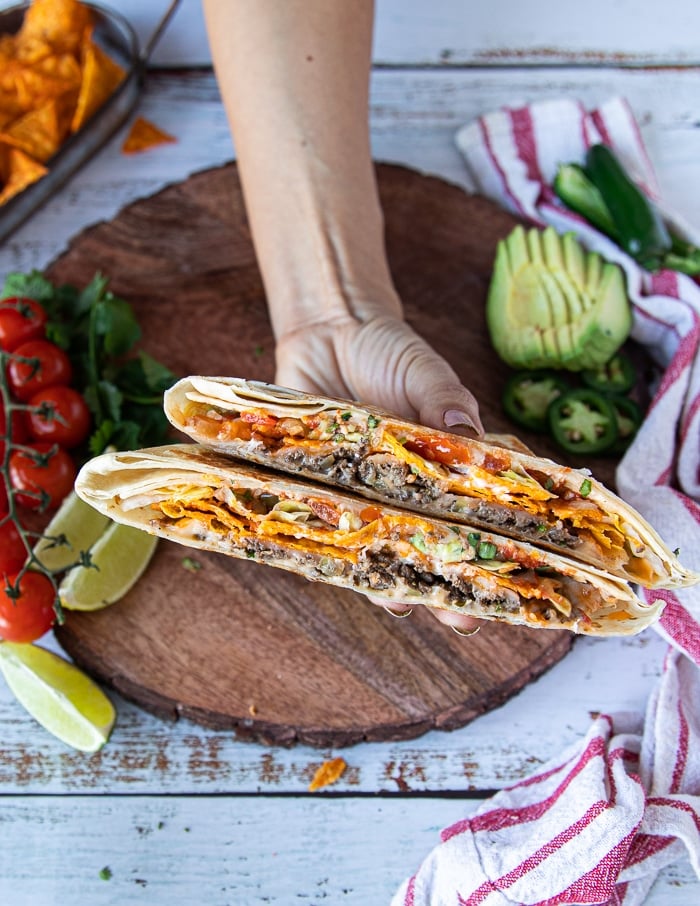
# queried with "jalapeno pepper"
point(629, 417)
point(528, 394)
point(683, 257)
point(572, 185)
point(641, 231)
point(583, 421)
point(616, 376)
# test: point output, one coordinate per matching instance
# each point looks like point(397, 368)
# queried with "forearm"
point(294, 79)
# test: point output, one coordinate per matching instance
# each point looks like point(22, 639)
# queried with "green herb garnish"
point(585, 488)
point(418, 541)
point(486, 550)
point(122, 386)
point(372, 421)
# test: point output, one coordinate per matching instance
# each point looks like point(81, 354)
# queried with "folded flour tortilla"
point(390, 459)
point(195, 496)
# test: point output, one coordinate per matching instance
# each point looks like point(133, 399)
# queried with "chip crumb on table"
point(328, 773)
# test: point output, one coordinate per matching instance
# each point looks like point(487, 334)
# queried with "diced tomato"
point(324, 511)
point(438, 449)
point(370, 513)
point(254, 417)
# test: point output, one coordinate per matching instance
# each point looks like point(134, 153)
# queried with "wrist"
point(337, 285)
point(322, 254)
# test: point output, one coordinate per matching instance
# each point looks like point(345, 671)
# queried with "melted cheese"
point(390, 444)
point(504, 488)
point(198, 505)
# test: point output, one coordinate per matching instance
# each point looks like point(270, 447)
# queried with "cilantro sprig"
point(123, 386)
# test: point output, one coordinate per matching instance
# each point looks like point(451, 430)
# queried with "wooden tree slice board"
point(243, 646)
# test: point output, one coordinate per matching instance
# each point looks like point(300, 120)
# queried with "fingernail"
point(457, 418)
point(465, 632)
point(399, 616)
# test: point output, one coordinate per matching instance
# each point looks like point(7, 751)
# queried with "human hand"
point(384, 362)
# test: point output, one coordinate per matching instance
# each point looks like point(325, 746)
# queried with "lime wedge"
point(119, 556)
point(76, 522)
point(63, 699)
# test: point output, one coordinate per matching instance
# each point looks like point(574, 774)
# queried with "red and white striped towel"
point(598, 823)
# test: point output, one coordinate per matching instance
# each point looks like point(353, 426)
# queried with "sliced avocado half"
point(552, 304)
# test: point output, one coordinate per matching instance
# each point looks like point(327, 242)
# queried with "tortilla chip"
point(7, 48)
point(101, 78)
point(32, 88)
point(60, 23)
point(32, 50)
point(62, 67)
point(10, 106)
point(18, 171)
point(37, 133)
point(53, 78)
point(144, 135)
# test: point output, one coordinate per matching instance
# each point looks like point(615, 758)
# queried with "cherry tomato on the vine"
point(18, 423)
point(41, 467)
point(21, 319)
point(63, 416)
point(13, 553)
point(29, 615)
point(52, 366)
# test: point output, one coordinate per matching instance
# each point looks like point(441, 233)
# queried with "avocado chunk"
point(552, 304)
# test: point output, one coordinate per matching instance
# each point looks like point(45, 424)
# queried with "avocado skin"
point(552, 304)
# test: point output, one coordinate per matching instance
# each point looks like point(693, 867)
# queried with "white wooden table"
point(182, 815)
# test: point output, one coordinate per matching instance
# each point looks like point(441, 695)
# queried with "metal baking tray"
point(117, 37)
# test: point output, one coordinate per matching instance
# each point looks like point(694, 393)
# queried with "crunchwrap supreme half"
point(393, 460)
point(200, 498)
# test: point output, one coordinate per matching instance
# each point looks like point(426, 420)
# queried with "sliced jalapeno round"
point(528, 394)
point(583, 421)
point(618, 375)
point(629, 417)
point(642, 232)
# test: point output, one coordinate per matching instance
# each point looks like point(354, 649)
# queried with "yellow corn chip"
point(144, 135)
point(18, 172)
point(63, 67)
point(101, 77)
point(37, 133)
point(10, 106)
point(53, 79)
point(32, 50)
point(7, 48)
point(60, 23)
